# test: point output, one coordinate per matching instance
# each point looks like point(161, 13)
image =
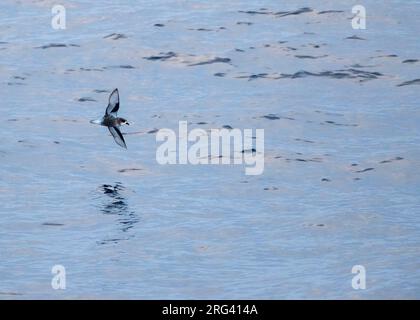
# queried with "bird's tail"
point(96, 121)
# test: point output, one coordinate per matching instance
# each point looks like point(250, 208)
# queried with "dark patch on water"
point(330, 11)
point(220, 74)
point(295, 12)
point(65, 120)
point(392, 160)
point(52, 224)
point(304, 140)
point(355, 38)
point(304, 160)
point(101, 91)
point(5, 293)
point(211, 61)
point(365, 170)
point(88, 69)
point(115, 36)
point(160, 25)
point(112, 189)
point(57, 45)
point(325, 180)
point(315, 225)
point(340, 124)
point(132, 133)
point(357, 65)
point(253, 150)
point(56, 142)
point(244, 23)
point(338, 74)
point(330, 113)
point(117, 205)
point(272, 116)
point(16, 84)
point(86, 99)
point(255, 12)
point(19, 78)
point(201, 29)
point(257, 76)
point(226, 126)
point(271, 188)
point(385, 56)
point(410, 61)
point(214, 157)
point(310, 57)
point(122, 66)
point(386, 161)
point(409, 83)
point(162, 56)
point(129, 169)
point(279, 13)
point(254, 76)
point(114, 241)
point(153, 131)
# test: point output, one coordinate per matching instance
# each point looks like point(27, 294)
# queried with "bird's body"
point(111, 120)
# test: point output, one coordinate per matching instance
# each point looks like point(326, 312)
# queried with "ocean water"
point(340, 187)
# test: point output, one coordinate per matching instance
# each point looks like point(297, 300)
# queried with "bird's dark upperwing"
point(114, 103)
point(118, 137)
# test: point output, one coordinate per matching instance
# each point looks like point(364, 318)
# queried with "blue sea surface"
point(340, 112)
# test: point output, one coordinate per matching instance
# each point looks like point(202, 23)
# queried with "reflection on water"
point(117, 205)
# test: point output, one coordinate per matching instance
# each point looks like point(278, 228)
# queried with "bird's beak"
point(127, 123)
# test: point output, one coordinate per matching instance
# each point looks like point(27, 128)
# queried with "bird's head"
point(123, 121)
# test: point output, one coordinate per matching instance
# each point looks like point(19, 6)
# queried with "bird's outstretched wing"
point(114, 103)
point(118, 137)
